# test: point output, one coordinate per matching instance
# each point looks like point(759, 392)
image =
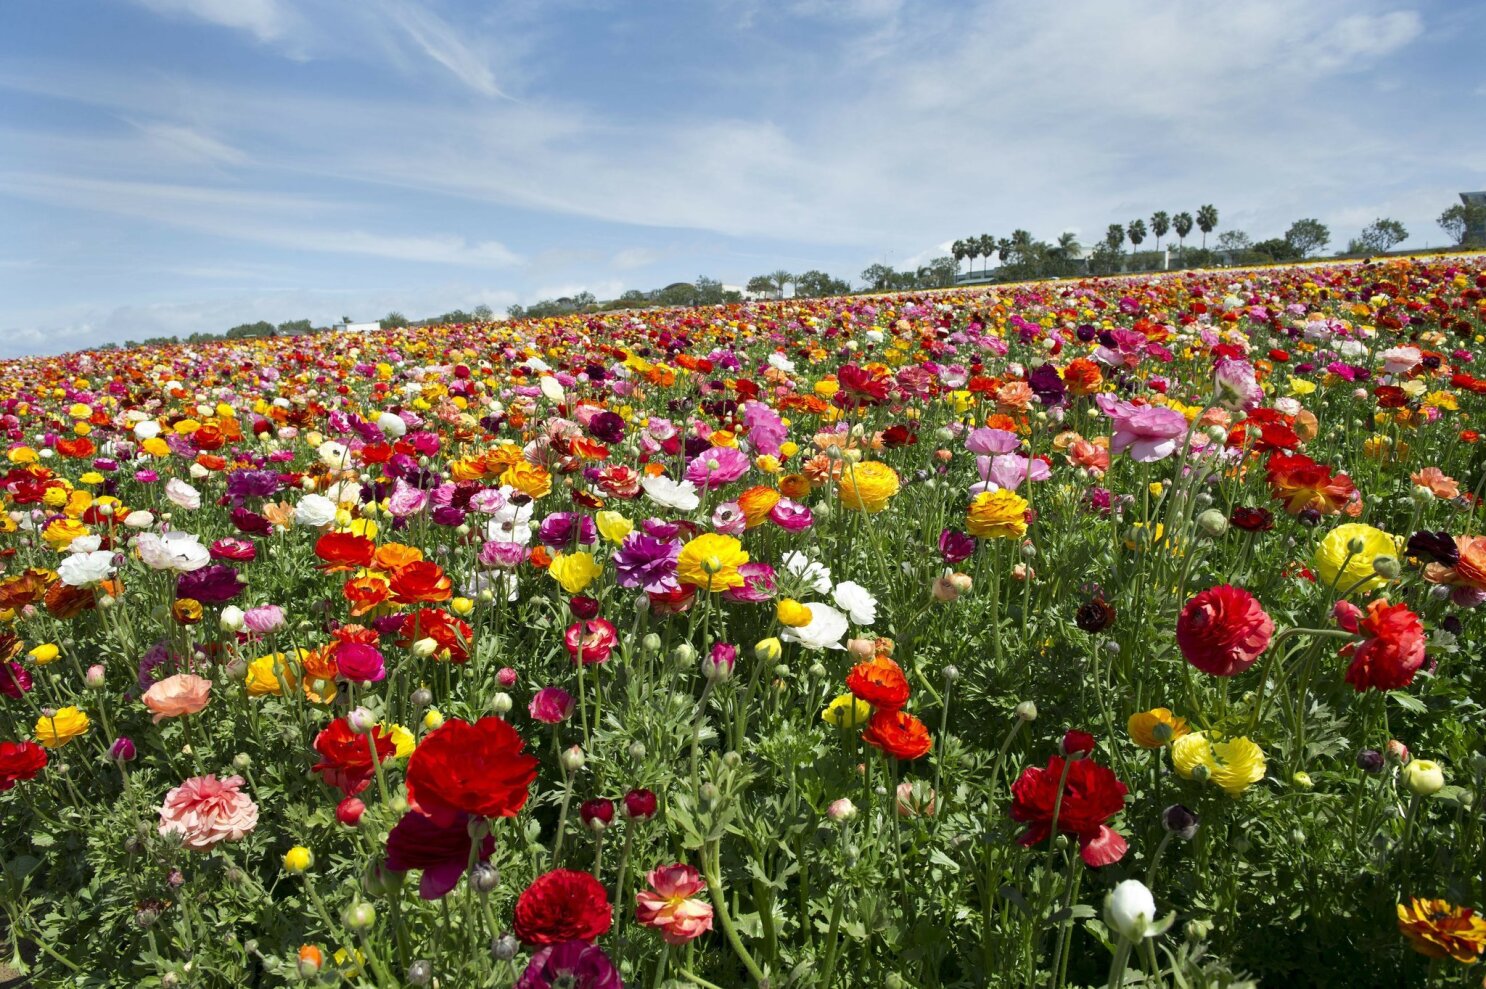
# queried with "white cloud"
point(264, 19)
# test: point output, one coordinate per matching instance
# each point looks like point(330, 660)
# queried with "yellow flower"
point(847, 711)
point(461, 606)
point(613, 526)
point(44, 653)
point(1233, 764)
point(298, 860)
point(155, 447)
point(528, 478)
point(1337, 565)
point(574, 571)
point(867, 487)
point(1000, 514)
point(1300, 386)
point(262, 678)
point(1438, 929)
point(711, 562)
point(61, 532)
point(402, 738)
point(22, 455)
point(432, 719)
point(792, 614)
point(1156, 727)
point(57, 731)
point(789, 448)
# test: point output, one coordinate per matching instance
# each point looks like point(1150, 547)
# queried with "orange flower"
point(756, 503)
point(899, 734)
point(795, 486)
point(366, 594)
point(421, 582)
point(1082, 376)
point(344, 551)
point(1147, 727)
point(880, 682)
point(393, 556)
point(1301, 483)
point(1437, 929)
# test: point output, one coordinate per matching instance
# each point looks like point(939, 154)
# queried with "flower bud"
point(1302, 780)
point(484, 877)
point(650, 643)
point(361, 720)
point(1213, 522)
point(349, 811)
point(94, 678)
point(597, 814)
point(1130, 910)
point(841, 809)
point(1180, 821)
point(298, 860)
point(504, 948)
point(1386, 566)
point(1424, 777)
point(640, 805)
point(425, 647)
point(951, 673)
point(1355, 545)
point(1398, 753)
point(1026, 711)
point(421, 698)
point(684, 654)
point(242, 762)
point(122, 750)
point(501, 703)
point(1370, 761)
point(359, 916)
point(572, 758)
point(768, 650)
point(506, 677)
point(420, 973)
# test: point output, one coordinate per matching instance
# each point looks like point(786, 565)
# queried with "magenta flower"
point(570, 965)
point(551, 705)
point(441, 851)
point(716, 466)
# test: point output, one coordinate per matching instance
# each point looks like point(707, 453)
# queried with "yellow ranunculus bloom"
point(868, 486)
point(264, 673)
point(44, 654)
point(999, 514)
point(711, 562)
point(1147, 728)
point(792, 614)
point(60, 533)
point(55, 732)
point(1336, 564)
point(402, 738)
point(1233, 764)
point(574, 571)
point(847, 711)
point(613, 526)
point(528, 478)
point(298, 860)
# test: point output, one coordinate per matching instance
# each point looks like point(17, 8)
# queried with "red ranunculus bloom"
point(463, 768)
point(1223, 630)
point(420, 582)
point(1091, 796)
point(20, 761)
point(345, 756)
point(1393, 651)
point(449, 632)
point(1301, 483)
point(344, 551)
point(598, 639)
point(899, 734)
point(880, 682)
point(562, 905)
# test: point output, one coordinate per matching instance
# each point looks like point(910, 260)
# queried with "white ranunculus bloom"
point(232, 619)
point(680, 495)
point(314, 511)
point(856, 601)
point(816, 575)
point(781, 363)
point(146, 430)
point(139, 519)
point(391, 424)
point(334, 455)
point(86, 569)
point(826, 628)
point(1130, 910)
point(85, 544)
point(552, 389)
point(182, 495)
point(178, 551)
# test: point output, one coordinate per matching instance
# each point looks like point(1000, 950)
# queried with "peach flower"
point(1440, 484)
point(670, 907)
point(184, 693)
point(205, 810)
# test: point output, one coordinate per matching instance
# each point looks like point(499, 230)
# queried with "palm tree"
point(1136, 232)
point(1207, 218)
point(780, 279)
point(987, 248)
point(957, 251)
point(1160, 224)
point(1068, 245)
point(1021, 241)
point(1003, 247)
point(1182, 224)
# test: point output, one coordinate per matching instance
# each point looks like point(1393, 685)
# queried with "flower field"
point(1117, 632)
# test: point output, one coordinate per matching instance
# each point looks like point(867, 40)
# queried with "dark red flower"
point(1251, 519)
point(442, 851)
point(562, 905)
point(463, 768)
point(1075, 742)
point(1091, 796)
point(20, 761)
point(639, 805)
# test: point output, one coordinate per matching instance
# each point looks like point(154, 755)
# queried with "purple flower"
point(14, 680)
point(442, 852)
point(986, 440)
point(210, 585)
point(122, 750)
point(242, 484)
point(570, 965)
point(606, 427)
point(647, 563)
point(448, 515)
point(559, 529)
point(955, 547)
point(1047, 385)
point(550, 705)
point(250, 523)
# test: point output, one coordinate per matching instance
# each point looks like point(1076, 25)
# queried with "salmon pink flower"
point(669, 905)
point(176, 696)
point(205, 811)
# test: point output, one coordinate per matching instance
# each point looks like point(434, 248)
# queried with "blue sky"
point(171, 166)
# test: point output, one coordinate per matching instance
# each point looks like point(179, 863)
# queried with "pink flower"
point(359, 663)
point(264, 619)
point(406, 500)
point(205, 810)
point(717, 466)
point(1149, 432)
point(184, 693)
point(551, 705)
point(987, 440)
point(590, 641)
point(1223, 630)
point(670, 908)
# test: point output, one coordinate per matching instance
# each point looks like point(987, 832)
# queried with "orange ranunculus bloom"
point(392, 556)
point(366, 594)
point(880, 682)
point(1082, 376)
point(77, 447)
point(1301, 483)
point(421, 582)
point(344, 551)
point(795, 486)
point(1440, 484)
point(899, 734)
point(756, 503)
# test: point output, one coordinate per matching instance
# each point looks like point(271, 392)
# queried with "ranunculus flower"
point(1091, 796)
point(867, 486)
point(1347, 571)
point(898, 734)
point(551, 705)
point(670, 905)
point(879, 682)
point(999, 514)
point(468, 768)
point(591, 641)
point(204, 811)
point(442, 851)
point(359, 662)
point(1223, 630)
point(346, 755)
point(570, 965)
point(1233, 764)
point(1392, 652)
point(562, 905)
point(176, 696)
point(20, 761)
point(1148, 432)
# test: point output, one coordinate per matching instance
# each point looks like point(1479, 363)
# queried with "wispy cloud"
point(264, 19)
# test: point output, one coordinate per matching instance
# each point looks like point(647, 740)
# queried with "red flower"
point(451, 634)
point(598, 640)
point(1091, 796)
point(421, 581)
point(1301, 483)
point(20, 761)
point(344, 551)
point(1223, 630)
point(345, 756)
point(899, 734)
point(562, 905)
point(463, 768)
point(880, 682)
point(1393, 651)
point(1075, 741)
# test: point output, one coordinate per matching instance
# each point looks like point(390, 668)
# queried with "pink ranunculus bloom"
point(184, 693)
point(1007, 470)
point(987, 440)
point(205, 810)
point(551, 705)
point(359, 663)
point(406, 500)
point(591, 641)
point(791, 516)
point(669, 906)
point(1148, 432)
point(717, 466)
point(264, 619)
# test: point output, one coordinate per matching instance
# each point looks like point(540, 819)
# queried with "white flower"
point(391, 424)
point(178, 551)
point(503, 584)
point(85, 544)
point(139, 519)
point(827, 626)
point(1130, 910)
point(334, 455)
point(314, 511)
point(232, 620)
point(1397, 360)
point(680, 495)
point(344, 493)
point(146, 430)
point(857, 602)
point(552, 389)
point(816, 576)
point(85, 569)
point(182, 495)
point(779, 362)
